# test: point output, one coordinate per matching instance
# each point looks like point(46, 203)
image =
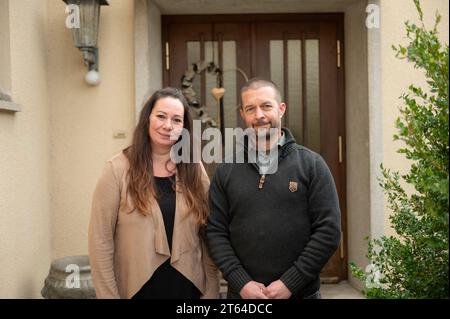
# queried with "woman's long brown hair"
point(141, 182)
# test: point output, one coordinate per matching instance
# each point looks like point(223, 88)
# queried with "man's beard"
point(265, 132)
point(264, 138)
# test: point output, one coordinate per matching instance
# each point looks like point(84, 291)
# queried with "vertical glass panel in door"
point(230, 102)
point(277, 64)
point(193, 56)
point(294, 110)
point(312, 132)
point(211, 55)
point(293, 82)
point(230, 73)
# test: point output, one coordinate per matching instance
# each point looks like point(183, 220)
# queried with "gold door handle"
point(340, 148)
point(338, 55)
point(167, 56)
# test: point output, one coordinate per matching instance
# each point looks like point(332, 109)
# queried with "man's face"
point(261, 109)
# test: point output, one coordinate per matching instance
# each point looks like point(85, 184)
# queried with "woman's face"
point(166, 122)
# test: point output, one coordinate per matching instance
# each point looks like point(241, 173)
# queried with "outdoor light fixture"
point(85, 33)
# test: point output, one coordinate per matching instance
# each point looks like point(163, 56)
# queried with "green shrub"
point(414, 262)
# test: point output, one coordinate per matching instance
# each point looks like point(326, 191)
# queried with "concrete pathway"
point(342, 290)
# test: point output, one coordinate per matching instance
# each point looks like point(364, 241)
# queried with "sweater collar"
point(289, 142)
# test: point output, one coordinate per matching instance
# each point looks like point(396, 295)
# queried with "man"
point(271, 233)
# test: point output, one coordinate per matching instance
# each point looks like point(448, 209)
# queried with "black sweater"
point(275, 232)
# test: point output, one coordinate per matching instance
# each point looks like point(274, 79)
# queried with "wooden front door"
point(301, 53)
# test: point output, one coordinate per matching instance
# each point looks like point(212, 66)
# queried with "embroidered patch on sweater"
point(293, 186)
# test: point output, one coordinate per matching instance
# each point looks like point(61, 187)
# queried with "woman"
point(148, 213)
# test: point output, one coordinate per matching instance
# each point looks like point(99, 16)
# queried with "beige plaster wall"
point(155, 56)
point(397, 74)
point(25, 219)
point(52, 152)
point(148, 57)
point(357, 134)
point(84, 119)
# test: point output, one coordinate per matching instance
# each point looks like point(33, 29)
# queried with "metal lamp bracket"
point(90, 57)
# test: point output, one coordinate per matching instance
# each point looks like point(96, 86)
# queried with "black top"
point(284, 226)
point(167, 282)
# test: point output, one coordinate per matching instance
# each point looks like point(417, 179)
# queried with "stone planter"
point(69, 278)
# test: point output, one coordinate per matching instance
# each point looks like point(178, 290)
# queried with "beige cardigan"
point(126, 249)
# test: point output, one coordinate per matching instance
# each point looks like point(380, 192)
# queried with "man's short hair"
point(256, 83)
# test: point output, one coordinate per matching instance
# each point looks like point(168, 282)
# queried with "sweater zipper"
point(261, 181)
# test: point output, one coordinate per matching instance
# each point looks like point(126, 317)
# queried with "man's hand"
point(277, 290)
point(253, 290)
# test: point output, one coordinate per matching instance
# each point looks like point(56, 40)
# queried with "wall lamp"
point(86, 15)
